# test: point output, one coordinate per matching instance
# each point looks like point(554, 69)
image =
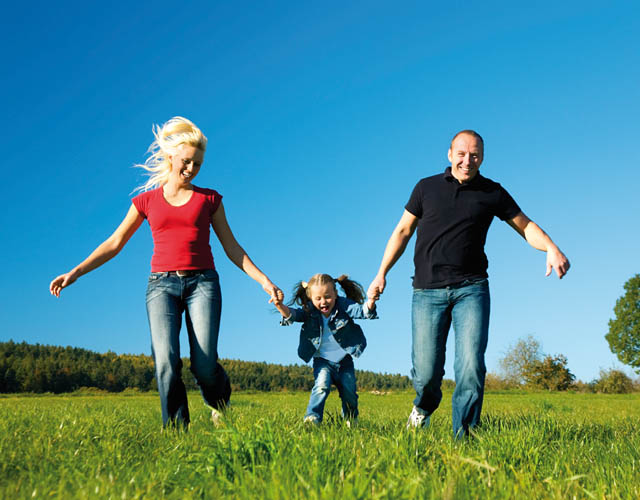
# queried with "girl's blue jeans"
point(343, 375)
point(199, 298)
point(467, 307)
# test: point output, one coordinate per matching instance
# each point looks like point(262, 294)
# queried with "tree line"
point(43, 368)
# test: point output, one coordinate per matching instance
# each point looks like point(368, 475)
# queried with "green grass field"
point(531, 445)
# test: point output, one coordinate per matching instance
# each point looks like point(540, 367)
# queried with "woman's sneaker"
point(312, 420)
point(416, 419)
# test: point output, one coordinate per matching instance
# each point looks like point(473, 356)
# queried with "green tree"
point(551, 374)
point(520, 359)
point(613, 382)
point(624, 330)
point(525, 364)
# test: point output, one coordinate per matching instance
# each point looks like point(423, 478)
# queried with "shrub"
point(580, 386)
point(613, 382)
point(551, 374)
point(493, 382)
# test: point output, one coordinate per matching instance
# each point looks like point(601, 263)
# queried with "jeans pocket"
point(209, 284)
point(209, 275)
point(157, 285)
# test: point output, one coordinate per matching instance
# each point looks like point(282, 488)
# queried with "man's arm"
point(395, 248)
point(537, 238)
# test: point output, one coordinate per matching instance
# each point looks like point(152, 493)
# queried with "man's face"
point(465, 155)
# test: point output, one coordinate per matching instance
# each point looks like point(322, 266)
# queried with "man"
point(452, 212)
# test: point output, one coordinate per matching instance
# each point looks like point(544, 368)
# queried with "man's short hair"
point(468, 132)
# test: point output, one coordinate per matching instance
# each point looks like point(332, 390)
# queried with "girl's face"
point(185, 164)
point(323, 298)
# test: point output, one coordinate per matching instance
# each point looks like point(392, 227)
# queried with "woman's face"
point(186, 163)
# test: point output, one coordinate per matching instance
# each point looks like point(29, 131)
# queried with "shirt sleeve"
point(358, 311)
point(215, 198)
point(414, 205)
point(507, 207)
point(140, 202)
point(296, 314)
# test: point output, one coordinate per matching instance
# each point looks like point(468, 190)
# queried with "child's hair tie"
point(341, 278)
point(304, 284)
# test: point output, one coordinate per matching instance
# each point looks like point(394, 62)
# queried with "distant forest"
point(43, 368)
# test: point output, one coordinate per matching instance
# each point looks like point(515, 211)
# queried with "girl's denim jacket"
point(346, 332)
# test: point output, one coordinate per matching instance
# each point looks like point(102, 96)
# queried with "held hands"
point(371, 303)
point(271, 289)
point(278, 302)
point(376, 288)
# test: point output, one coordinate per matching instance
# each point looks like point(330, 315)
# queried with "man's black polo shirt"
point(452, 229)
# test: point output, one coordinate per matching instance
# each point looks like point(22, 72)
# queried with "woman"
point(183, 276)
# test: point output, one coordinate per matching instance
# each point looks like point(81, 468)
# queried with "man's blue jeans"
point(199, 298)
point(343, 375)
point(467, 306)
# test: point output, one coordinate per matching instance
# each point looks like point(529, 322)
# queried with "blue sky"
point(321, 118)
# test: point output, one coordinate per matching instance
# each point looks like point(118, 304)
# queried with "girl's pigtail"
point(352, 289)
point(299, 295)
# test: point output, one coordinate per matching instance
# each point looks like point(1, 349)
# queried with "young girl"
point(183, 277)
point(329, 336)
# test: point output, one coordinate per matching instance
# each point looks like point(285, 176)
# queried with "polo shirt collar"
point(448, 176)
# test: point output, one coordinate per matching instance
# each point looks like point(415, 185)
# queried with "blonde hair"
point(173, 133)
point(301, 292)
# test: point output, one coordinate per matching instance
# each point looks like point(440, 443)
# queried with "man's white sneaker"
point(416, 419)
point(216, 417)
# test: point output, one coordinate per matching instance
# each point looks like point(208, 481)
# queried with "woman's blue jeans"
point(199, 298)
point(467, 306)
point(343, 375)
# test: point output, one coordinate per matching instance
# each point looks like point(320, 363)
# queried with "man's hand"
point(557, 261)
point(371, 303)
point(376, 288)
point(540, 240)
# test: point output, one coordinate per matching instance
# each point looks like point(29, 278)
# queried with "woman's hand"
point(62, 281)
point(278, 300)
point(272, 290)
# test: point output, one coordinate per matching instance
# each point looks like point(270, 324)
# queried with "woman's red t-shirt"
point(180, 234)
